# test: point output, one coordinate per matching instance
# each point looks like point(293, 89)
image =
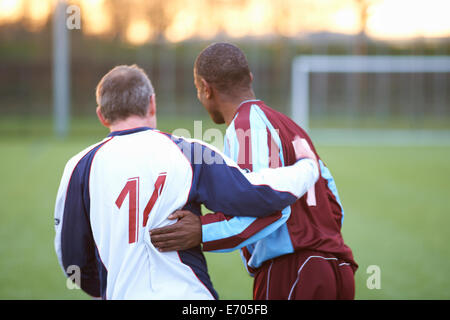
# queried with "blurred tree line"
point(26, 71)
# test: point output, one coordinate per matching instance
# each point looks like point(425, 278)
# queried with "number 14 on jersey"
point(131, 189)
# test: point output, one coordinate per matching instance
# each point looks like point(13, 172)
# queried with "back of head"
point(224, 66)
point(124, 91)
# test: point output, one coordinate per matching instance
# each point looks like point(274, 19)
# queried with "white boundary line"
point(380, 137)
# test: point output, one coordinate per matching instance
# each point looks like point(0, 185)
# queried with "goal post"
point(304, 66)
point(61, 71)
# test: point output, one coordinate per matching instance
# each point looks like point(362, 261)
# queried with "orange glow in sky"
point(386, 19)
point(11, 10)
point(396, 19)
point(96, 19)
point(138, 32)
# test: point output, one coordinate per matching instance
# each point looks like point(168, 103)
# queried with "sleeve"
point(221, 186)
point(221, 233)
point(74, 243)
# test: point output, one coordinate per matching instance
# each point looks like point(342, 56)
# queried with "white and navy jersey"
point(114, 192)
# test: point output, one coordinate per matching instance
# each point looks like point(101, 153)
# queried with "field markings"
point(380, 137)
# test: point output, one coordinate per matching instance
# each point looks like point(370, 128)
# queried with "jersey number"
point(132, 190)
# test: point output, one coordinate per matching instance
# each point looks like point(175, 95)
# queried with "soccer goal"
point(369, 85)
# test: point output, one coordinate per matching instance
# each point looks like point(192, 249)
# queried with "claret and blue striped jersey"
point(259, 138)
point(114, 192)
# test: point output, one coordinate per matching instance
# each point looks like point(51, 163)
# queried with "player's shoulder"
point(74, 160)
point(201, 152)
point(247, 117)
point(280, 121)
point(256, 112)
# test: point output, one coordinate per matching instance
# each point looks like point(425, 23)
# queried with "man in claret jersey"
point(112, 193)
point(298, 253)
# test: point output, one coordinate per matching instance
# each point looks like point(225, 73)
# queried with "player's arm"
point(221, 233)
point(220, 185)
point(227, 233)
point(74, 244)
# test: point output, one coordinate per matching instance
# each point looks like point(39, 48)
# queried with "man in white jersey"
point(112, 193)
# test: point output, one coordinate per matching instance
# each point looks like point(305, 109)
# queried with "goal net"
point(370, 92)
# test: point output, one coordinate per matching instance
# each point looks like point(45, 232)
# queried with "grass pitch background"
point(396, 202)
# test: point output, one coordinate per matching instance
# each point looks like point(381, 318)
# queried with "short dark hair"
point(124, 91)
point(225, 66)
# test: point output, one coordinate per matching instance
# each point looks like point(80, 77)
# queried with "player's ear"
point(102, 119)
point(152, 105)
point(207, 89)
point(151, 114)
point(251, 77)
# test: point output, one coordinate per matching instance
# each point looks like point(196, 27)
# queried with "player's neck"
point(132, 122)
point(230, 107)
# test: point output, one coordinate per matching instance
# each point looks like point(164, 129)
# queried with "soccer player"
point(114, 191)
point(300, 252)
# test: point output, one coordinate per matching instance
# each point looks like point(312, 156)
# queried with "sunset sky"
point(181, 19)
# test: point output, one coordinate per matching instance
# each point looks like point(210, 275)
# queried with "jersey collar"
point(247, 101)
point(244, 103)
point(128, 131)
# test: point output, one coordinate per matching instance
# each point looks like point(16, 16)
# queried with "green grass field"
point(396, 202)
